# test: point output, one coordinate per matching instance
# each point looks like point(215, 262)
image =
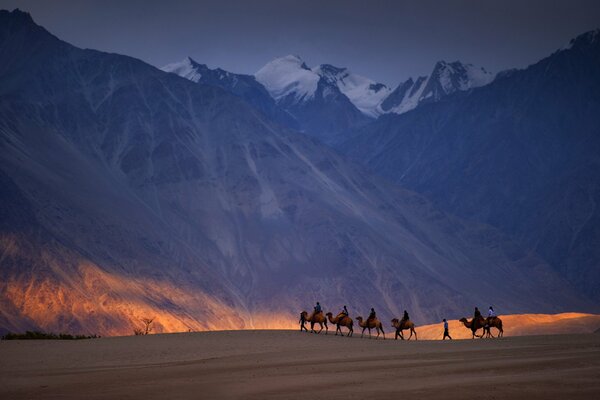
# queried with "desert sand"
point(290, 364)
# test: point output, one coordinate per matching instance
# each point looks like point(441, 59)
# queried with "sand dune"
point(520, 325)
point(290, 364)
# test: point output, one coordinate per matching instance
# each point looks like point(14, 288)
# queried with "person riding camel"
point(405, 317)
point(372, 315)
point(491, 313)
point(476, 316)
point(318, 308)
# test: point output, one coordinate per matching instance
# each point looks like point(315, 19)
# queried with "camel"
point(370, 324)
point(479, 324)
point(493, 322)
point(318, 318)
point(403, 325)
point(341, 320)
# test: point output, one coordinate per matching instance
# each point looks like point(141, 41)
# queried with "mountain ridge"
point(151, 195)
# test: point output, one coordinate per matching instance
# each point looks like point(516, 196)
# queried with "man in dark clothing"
point(302, 322)
point(372, 315)
point(476, 317)
point(446, 334)
point(345, 311)
point(405, 317)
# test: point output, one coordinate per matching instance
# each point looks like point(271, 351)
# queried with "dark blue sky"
point(384, 40)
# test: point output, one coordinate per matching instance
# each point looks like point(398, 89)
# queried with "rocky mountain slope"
point(522, 154)
point(128, 192)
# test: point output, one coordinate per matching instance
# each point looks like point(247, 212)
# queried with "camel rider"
point(405, 317)
point(372, 315)
point(491, 313)
point(343, 313)
point(476, 317)
point(318, 308)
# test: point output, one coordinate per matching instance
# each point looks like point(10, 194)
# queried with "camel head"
point(395, 321)
point(359, 319)
point(304, 313)
point(329, 314)
point(463, 320)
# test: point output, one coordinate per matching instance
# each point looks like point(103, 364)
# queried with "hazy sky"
point(387, 41)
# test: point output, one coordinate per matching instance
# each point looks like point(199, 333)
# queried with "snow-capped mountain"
point(446, 78)
point(364, 93)
point(288, 79)
point(314, 98)
point(244, 86)
point(521, 154)
point(327, 101)
point(127, 192)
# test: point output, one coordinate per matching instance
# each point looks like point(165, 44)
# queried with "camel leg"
point(363, 332)
point(350, 332)
point(415, 334)
point(326, 327)
point(410, 334)
point(383, 332)
point(369, 333)
point(377, 337)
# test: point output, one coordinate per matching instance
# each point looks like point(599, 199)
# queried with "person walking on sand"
point(446, 334)
point(302, 322)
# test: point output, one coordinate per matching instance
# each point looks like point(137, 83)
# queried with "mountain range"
point(131, 192)
point(327, 101)
point(521, 154)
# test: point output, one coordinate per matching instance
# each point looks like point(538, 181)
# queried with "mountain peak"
point(586, 39)
point(16, 16)
point(186, 68)
point(288, 75)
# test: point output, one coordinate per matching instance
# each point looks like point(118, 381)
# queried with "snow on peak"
point(458, 76)
point(187, 68)
point(364, 93)
point(446, 78)
point(286, 76)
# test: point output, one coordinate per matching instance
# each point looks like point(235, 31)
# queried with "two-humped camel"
point(317, 318)
point(341, 320)
point(402, 325)
point(483, 323)
point(370, 324)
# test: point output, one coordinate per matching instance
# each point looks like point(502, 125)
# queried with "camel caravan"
point(343, 320)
